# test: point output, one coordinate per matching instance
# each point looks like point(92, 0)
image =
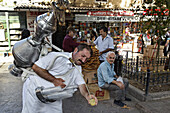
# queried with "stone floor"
point(11, 98)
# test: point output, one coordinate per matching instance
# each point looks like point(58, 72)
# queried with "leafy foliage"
point(157, 14)
point(156, 20)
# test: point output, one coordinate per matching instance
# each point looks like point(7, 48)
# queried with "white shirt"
point(31, 104)
point(60, 67)
point(103, 44)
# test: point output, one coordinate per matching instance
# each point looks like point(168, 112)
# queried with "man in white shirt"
point(48, 78)
point(104, 43)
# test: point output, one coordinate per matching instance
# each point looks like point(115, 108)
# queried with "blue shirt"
point(103, 44)
point(105, 73)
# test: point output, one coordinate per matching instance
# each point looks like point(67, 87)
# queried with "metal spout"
point(45, 25)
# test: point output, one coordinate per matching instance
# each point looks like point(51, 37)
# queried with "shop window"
point(3, 26)
point(13, 23)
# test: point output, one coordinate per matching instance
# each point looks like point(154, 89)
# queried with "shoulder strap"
point(53, 60)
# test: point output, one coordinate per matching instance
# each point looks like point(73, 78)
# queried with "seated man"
point(107, 79)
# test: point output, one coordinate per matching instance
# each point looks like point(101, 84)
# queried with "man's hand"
point(89, 98)
point(85, 93)
point(59, 82)
point(166, 43)
point(100, 53)
point(116, 76)
point(47, 76)
point(120, 84)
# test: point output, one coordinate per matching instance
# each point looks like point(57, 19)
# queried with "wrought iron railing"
point(147, 72)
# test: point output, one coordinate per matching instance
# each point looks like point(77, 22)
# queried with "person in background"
point(93, 35)
point(104, 43)
point(48, 78)
point(127, 32)
point(167, 44)
point(68, 43)
point(107, 79)
point(25, 34)
point(167, 50)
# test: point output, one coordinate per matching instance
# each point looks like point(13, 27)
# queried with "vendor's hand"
point(100, 53)
point(120, 84)
point(166, 44)
point(89, 97)
point(59, 82)
point(116, 76)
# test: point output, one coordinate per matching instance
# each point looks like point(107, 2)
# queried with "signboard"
point(107, 18)
point(31, 16)
point(110, 13)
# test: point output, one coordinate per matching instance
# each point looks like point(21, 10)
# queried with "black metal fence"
point(147, 72)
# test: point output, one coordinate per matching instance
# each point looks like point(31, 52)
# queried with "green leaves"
point(157, 16)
